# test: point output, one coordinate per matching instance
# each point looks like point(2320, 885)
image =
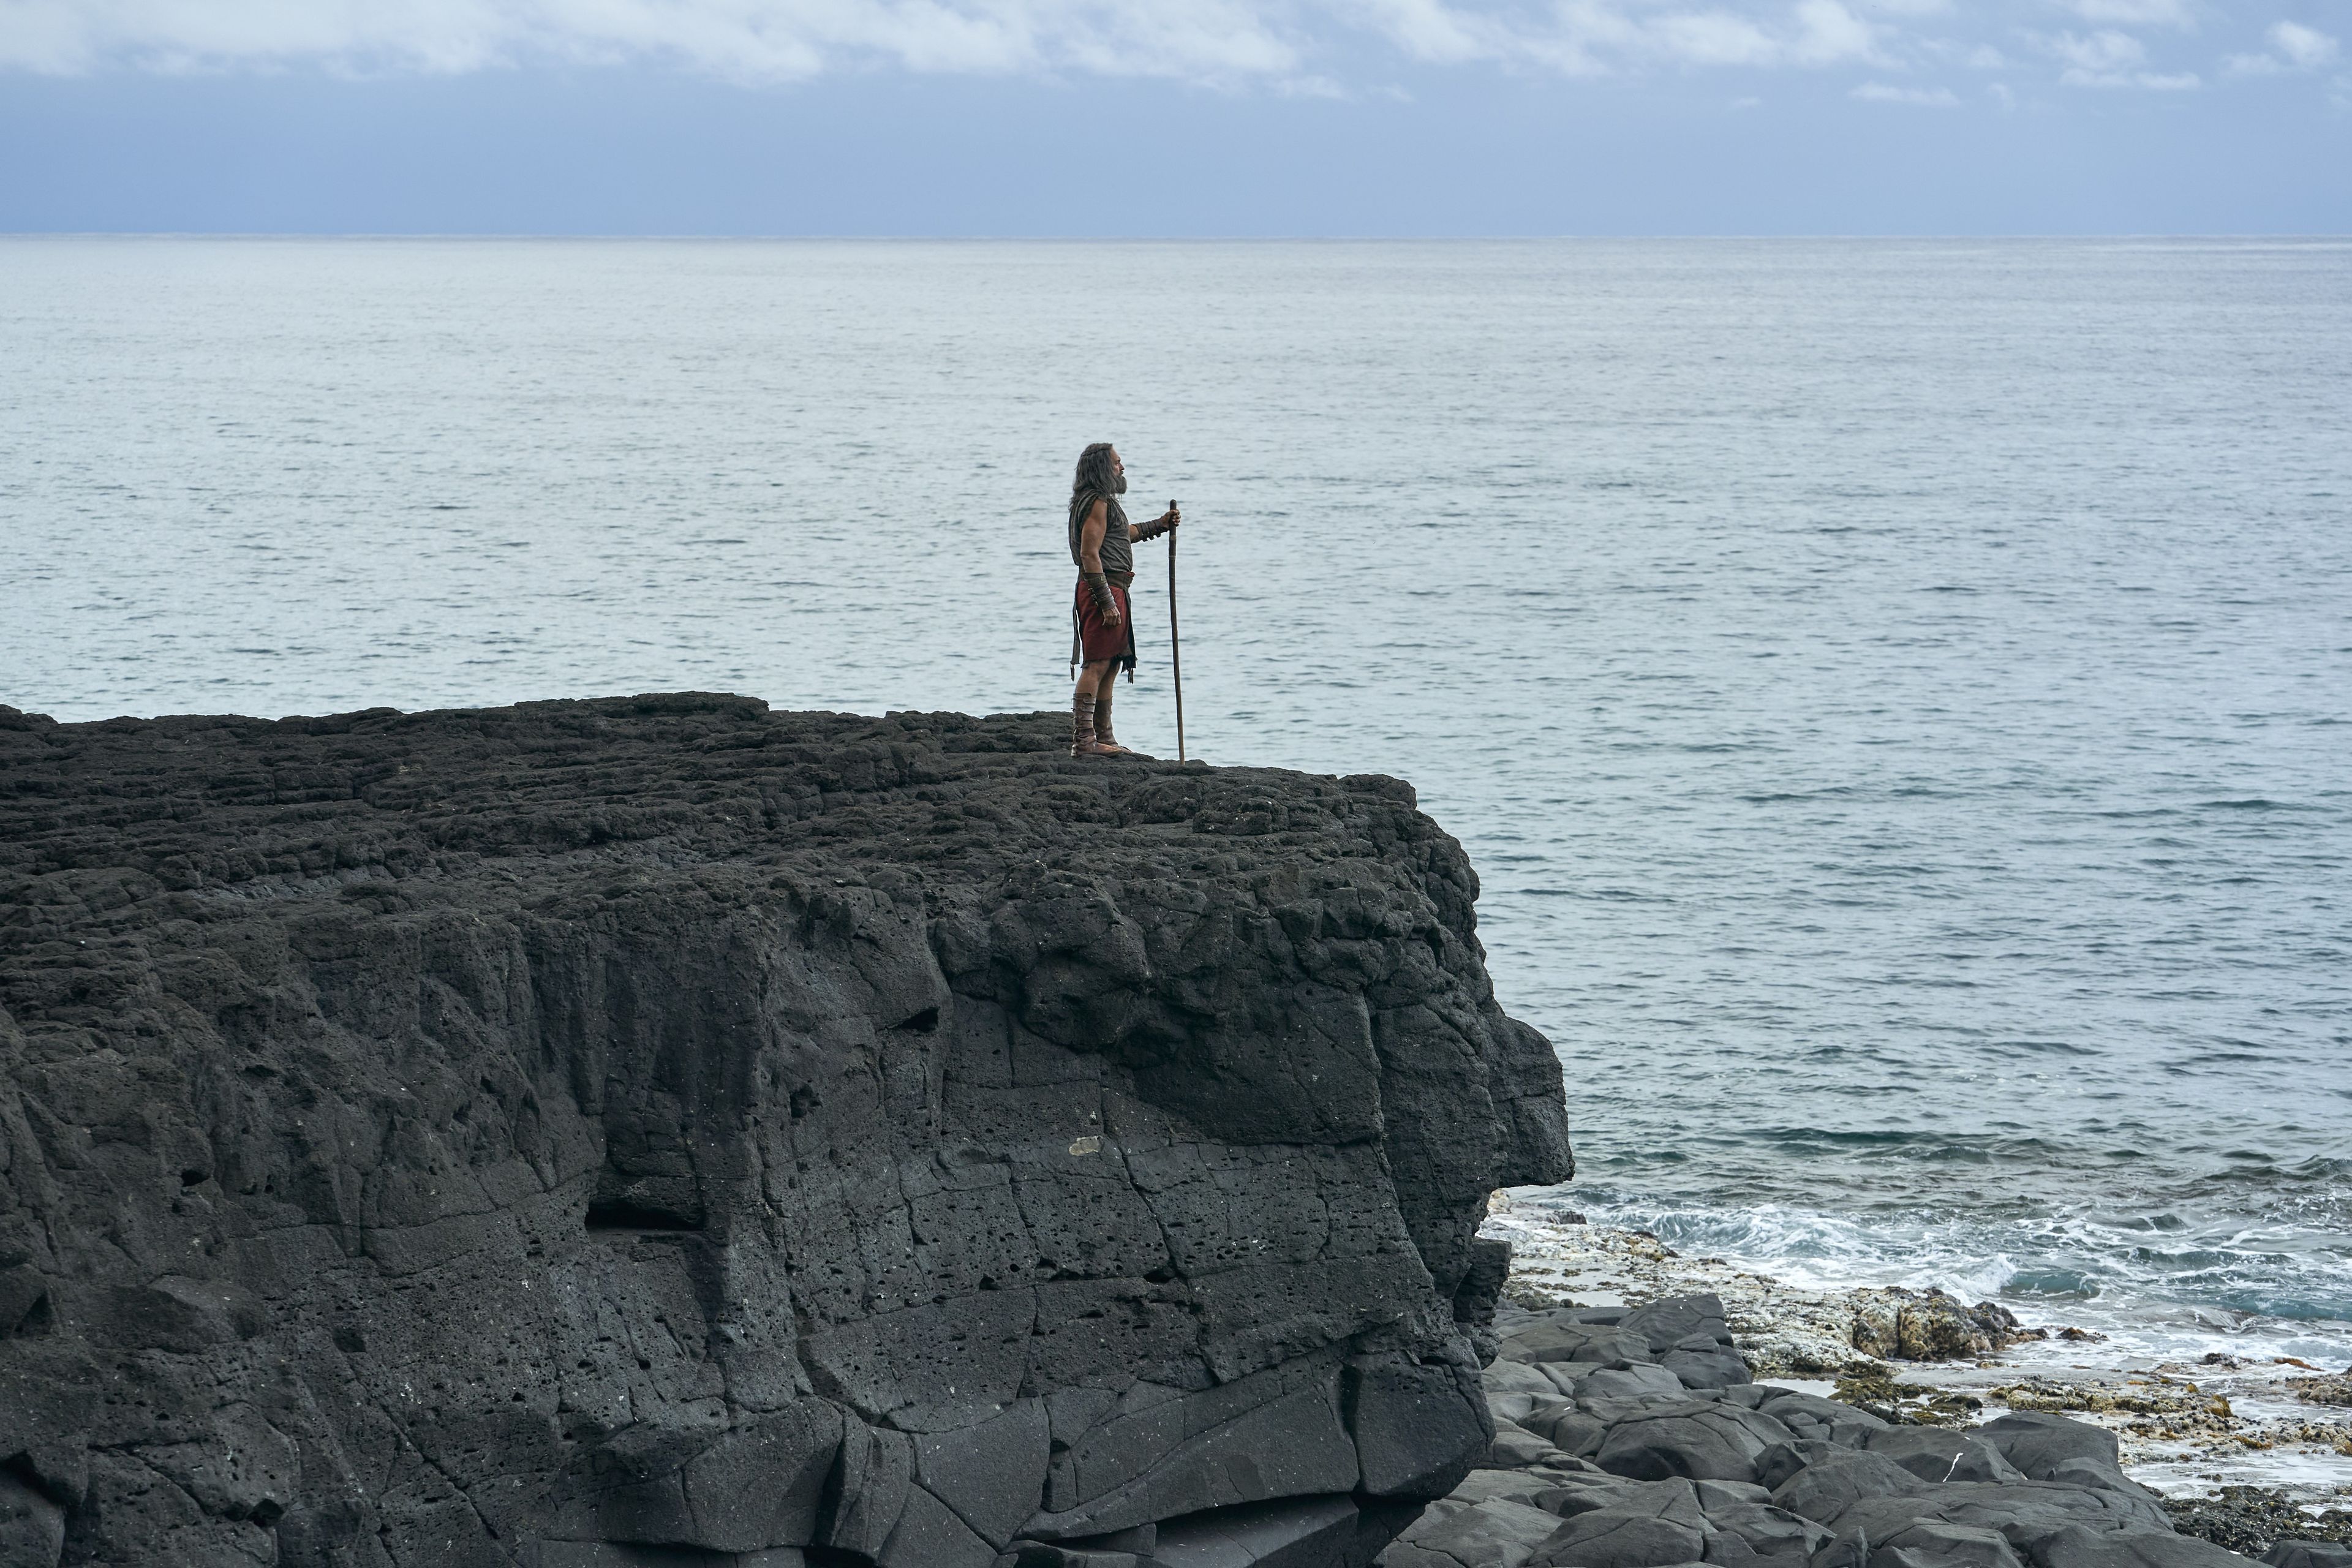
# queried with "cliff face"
point(665, 1131)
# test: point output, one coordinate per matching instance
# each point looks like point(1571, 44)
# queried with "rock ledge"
point(663, 1131)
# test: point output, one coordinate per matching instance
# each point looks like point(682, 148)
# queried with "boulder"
point(2037, 1442)
point(1504, 1375)
point(1533, 1485)
point(1691, 1339)
point(1783, 1460)
point(1765, 1530)
point(1934, 1544)
point(2077, 1546)
point(2094, 1472)
point(1940, 1454)
point(2025, 1512)
point(1568, 1428)
point(1497, 1532)
point(1670, 1324)
point(1564, 1339)
point(1610, 1410)
point(1809, 1416)
point(2308, 1554)
point(1633, 1381)
point(1417, 1426)
point(1291, 1532)
point(32, 1527)
point(1823, 1490)
point(1712, 1442)
point(1700, 1362)
point(1516, 1447)
point(1659, 1525)
point(1570, 1495)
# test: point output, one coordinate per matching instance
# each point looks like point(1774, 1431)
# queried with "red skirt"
point(1099, 640)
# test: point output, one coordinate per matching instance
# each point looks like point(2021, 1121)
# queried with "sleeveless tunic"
point(1091, 640)
point(1118, 553)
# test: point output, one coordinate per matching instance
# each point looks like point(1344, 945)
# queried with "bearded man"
point(1103, 639)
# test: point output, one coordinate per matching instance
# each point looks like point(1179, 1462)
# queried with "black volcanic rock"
point(666, 1130)
point(1848, 1489)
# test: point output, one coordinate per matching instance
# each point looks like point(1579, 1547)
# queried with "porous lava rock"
point(665, 1131)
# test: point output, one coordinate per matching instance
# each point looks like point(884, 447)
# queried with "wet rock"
point(1940, 1454)
point(1846, 1490)
point(2250, 1519)
point(1516, 1447)
point(1701, 1364)
point(1931, 1326)
point(1558, 1338)
point(1572, 1495)
point(1712, 1442)
point(2025, 1512)
point(1778, 1463)
point(1823, 1491)
point(1659, 1525)
point(581, 1130)
point(2076, 1546)
point(1669, 1324)
point(1827, 1420)
point(32, 1527)
point(2308, 1554)
point(1534, 1485)
point(1311, 1532)
point(2037, 1442)
point(1569, 1429)
point(1633, 1382)
point(1934, 1544)
point(1494, 1533)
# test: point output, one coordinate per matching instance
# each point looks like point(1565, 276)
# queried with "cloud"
point(2304, 48)
point(2112, 58)
point(2102, 52)
point(754, 40)
point(2307, 48)
point(1289, 43)
point(1923, 97)
point(2135, 12)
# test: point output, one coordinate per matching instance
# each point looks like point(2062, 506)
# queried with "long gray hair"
point(1096, 481)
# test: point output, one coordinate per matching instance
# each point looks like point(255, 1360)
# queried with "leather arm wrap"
point(1154, 529)
point(1099, 586)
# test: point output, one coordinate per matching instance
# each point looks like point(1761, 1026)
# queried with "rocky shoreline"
point(665, 1133)
point(1636, 1438)
point(2189, 1428)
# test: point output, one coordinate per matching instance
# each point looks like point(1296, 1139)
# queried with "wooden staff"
point(1175, 652)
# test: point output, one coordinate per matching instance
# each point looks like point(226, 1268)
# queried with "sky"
point(1177, 118)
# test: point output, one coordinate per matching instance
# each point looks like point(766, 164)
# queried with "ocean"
point(1898, 695)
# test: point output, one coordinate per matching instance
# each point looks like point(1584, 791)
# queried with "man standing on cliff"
point(1103, 639)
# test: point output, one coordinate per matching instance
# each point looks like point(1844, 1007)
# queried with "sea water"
point(1898, 695)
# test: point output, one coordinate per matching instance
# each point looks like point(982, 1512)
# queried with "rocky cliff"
point(667, 1132)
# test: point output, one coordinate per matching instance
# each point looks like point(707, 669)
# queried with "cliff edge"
point(664, 1131)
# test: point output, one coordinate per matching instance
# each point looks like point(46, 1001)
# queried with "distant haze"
point(1177, 117)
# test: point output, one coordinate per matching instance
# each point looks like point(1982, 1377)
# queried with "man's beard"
point(1118, 485)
